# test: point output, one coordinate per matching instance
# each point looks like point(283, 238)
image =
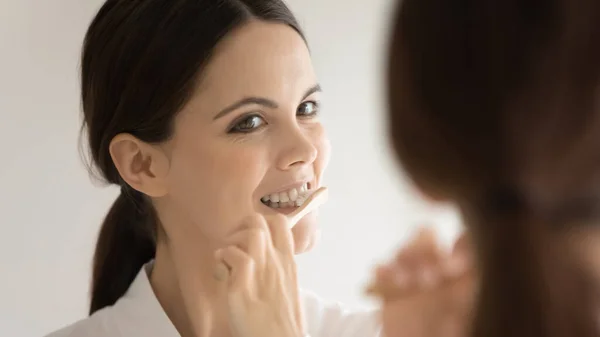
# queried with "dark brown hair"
point(495, 105)
point(139, 66)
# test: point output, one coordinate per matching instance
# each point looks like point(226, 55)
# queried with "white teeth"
point(300, 201)
point(292, 198)
point(293, 193)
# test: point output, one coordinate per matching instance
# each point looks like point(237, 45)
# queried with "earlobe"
point(140, 165)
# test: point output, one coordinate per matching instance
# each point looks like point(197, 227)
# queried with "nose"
point(298, 149)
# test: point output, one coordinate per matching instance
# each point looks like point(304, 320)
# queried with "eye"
point(247, 124)
point(308, 109)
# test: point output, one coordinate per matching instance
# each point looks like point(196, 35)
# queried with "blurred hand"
point(426, 291)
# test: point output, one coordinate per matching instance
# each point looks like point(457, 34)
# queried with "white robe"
point(139, 314)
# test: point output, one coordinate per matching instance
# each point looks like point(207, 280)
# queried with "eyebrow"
point(261, 101)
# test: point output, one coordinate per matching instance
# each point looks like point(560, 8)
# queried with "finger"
point(461, 259)
point(257, 222)
point(407, 316)
point(390, 282)
point(418, 265)
point(253, 241)
point(241, 266)
point(395, 276)
point(413, 267)
point(221, 272)
point(422, 257)
point(281, 234)
point(425, 245)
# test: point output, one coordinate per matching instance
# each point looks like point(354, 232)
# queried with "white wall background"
point(50, 209)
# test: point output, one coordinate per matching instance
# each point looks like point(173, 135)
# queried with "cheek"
point(213, 185)
point(323, 146)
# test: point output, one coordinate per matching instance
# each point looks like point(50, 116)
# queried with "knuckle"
point(247, 263)
point(245, 259)
point(258, 231)
point(280, 220)
point(256, 221)
point(257, 235)
point(286, 254)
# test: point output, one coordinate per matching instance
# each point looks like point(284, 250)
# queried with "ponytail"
point(531, 286)
point(125, 243)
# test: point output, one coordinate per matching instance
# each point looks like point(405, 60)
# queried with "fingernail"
point(221, 272)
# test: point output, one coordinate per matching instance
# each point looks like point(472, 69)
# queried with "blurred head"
point(495, 106)
point(205, 113)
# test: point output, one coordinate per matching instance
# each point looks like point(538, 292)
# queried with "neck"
point(193, 300)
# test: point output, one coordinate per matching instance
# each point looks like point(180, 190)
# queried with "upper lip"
point(288, 187)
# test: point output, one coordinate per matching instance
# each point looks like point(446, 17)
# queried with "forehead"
point(258, 59)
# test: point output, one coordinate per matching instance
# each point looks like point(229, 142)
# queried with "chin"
point(305, 234)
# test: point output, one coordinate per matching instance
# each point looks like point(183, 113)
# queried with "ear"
point(141, 165)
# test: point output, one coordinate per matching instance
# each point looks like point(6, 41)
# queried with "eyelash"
point(235, 126)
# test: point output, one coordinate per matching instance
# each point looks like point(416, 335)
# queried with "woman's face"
point(250, 132)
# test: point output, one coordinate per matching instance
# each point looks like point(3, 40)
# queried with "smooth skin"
point(251, 129)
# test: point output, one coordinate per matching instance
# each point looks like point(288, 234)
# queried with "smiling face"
point(249, 141)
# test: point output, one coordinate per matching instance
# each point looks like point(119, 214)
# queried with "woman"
point(206, 114)
point(495, 106)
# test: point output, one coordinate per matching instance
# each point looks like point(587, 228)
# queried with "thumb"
point(461, 258)
point(221, 272)
point(281, 234)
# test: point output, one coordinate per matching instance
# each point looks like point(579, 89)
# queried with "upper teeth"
point(294, 196)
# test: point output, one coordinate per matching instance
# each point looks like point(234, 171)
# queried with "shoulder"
point(137, 314)
point(324, 319)
point(100, 324)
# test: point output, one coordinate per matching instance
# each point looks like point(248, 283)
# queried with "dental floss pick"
point(318, 198)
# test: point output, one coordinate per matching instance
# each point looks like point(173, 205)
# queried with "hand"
point(260, 275)
point(427, 292)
